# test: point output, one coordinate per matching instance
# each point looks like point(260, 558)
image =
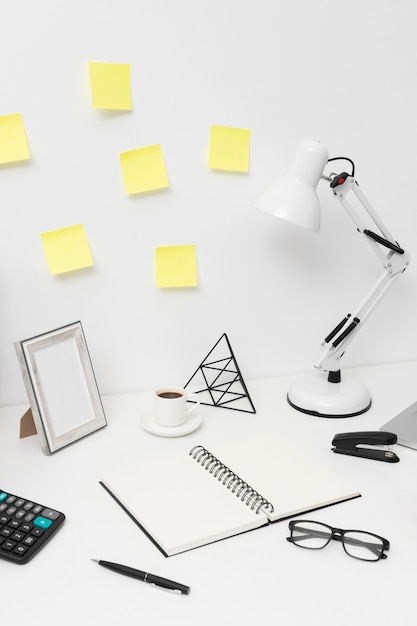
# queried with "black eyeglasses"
point(356, 543)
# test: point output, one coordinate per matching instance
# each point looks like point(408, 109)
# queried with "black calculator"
point(25, 527)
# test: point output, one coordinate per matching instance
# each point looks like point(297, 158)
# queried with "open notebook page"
point(179, 504)
point(284, 474)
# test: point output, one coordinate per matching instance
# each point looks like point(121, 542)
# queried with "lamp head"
point(294, 198)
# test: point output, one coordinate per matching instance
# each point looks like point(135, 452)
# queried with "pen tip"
point(95, 560)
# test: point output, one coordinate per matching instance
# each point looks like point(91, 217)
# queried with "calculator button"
point(29, 517)
point(14, 523)
point(11, 510)
point(8, 545)
point(28, 506)
point(37, 532)
point(50, 514)
point(10, 499)
point(21, 513)
point(26, 528)
point(29, 540)
point(3, 506)
point(6, 532)
point(3, 496)
point(42, 522)
point(21, 549)
point(19, 502)
point(37, 509)
point(4, 519)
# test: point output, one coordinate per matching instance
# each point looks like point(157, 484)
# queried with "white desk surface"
point(243, 580)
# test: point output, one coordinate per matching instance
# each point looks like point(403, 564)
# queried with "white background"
point(341, 73)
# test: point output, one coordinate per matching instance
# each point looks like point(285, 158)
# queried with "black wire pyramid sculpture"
point(219, 381)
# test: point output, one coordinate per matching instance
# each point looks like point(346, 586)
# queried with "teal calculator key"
point(42, 522)
point(3, 496)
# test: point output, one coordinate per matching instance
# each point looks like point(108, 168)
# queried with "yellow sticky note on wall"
point(13, 143)
point(229, 148)
point(176, 266)
point(66, 249)
point(110, 86)
point(143, 169)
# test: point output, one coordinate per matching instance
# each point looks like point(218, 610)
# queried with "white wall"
point(342, 73)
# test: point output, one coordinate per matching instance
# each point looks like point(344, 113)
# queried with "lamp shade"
point(294, 198)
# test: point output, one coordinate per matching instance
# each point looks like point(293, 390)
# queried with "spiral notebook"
point(200, 496)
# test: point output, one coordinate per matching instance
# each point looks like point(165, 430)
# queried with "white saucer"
point(149, 424)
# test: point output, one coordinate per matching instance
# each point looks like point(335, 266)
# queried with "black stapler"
point(369, 444)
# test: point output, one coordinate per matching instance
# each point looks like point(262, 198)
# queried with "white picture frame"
point(62, 390)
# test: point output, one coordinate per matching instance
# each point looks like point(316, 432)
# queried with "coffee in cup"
point(170, 405)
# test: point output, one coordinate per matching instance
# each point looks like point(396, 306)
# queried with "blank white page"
point(284, 474)
point(180, 504)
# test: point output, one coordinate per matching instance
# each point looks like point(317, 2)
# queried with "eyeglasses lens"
point(311, 535)
point(363, 546)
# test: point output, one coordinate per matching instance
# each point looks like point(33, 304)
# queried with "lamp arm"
point(393, 258)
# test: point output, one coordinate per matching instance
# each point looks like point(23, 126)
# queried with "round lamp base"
point(315, 395)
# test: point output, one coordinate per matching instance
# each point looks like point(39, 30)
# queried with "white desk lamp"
point(293, 198)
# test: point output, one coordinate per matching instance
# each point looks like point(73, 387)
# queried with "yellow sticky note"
point(110, 85)
point(229, 148)
point(66, 249)
point(143, 169)
point(176, 266)
point(13, 143)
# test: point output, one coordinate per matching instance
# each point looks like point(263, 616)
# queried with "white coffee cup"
point(170, 405)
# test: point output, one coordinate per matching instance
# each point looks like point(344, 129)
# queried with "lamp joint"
point(334, 376)
point(339, 179)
